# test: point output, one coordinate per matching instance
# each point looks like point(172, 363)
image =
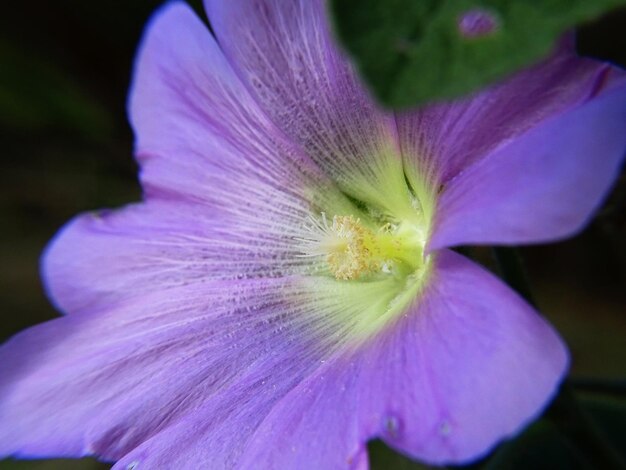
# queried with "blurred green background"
point(66, 147)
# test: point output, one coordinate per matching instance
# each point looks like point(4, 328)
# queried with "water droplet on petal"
point(392, 425)
point(477, 23)
point(445, 428)
point(133, 465)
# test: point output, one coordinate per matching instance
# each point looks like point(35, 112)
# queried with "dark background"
point(66, 147)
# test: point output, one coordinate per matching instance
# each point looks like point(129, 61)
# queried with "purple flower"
point(285, 292)
point(478, 23)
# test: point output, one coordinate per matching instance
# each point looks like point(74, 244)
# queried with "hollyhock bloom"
point(285, 292)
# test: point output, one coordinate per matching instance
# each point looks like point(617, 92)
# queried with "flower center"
point(352, 250)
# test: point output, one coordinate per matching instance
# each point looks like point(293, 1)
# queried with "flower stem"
point(565, 412)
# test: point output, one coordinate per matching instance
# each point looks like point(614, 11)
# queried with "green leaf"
point(412, 51)
point(382, 457)
point(65, 464)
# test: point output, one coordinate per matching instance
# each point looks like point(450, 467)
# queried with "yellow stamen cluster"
point(353, 252)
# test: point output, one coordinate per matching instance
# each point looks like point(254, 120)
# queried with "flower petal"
point(284, 52)
point(173, 376)
point(441, 140)
point(101, 259)
point(103, 384)
point(227, 192)
point(200, 135)
point(203, 375)
point(542, 186)
point(173, 309)
point(469, 365)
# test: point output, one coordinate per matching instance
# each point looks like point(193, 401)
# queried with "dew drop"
point(256, 82)
point(445, 429)
point(133, 465)
point(477, 23)
point(392, 425)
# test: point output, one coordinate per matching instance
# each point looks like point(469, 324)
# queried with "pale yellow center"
point(351, 250)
